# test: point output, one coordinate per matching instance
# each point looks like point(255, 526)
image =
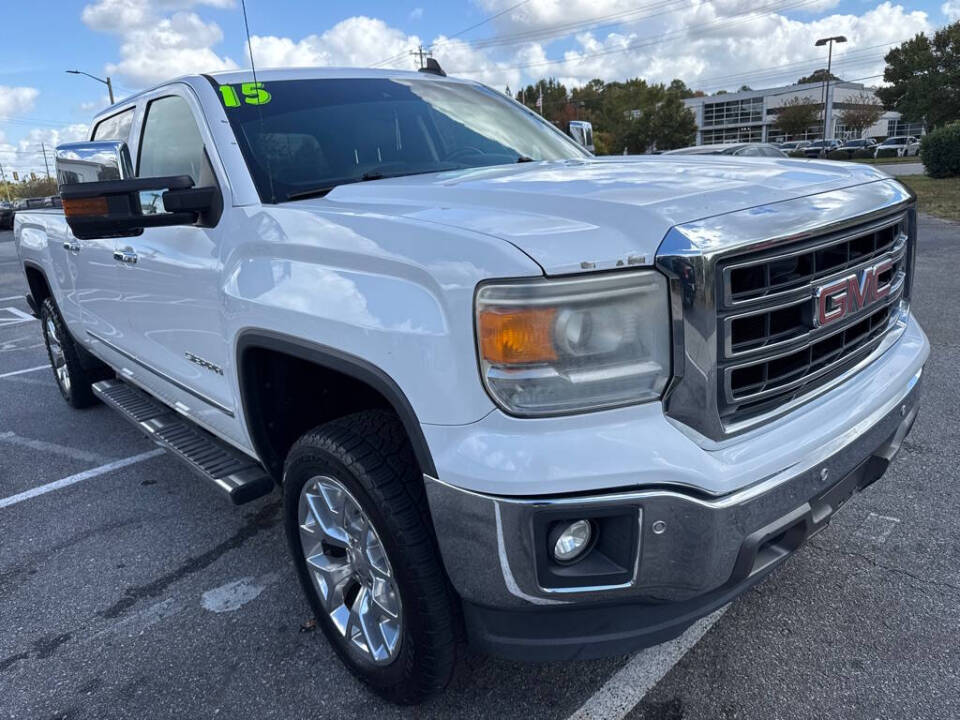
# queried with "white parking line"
point(13, 297)
point(15, 316)
point(79, 477)
point(21, 372)
point(12, 438)
point(624, 691)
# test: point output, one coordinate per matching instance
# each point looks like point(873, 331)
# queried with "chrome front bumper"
point(700, 544)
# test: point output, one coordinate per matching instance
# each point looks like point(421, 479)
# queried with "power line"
point(456, 34)
point(684, 33)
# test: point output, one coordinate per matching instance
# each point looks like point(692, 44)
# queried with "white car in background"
point(904, 145)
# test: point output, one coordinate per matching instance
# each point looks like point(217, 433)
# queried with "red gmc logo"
point(851, 294)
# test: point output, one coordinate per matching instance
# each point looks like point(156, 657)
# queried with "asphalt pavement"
point(136, 591)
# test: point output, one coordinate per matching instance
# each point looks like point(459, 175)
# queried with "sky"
point(709, 44)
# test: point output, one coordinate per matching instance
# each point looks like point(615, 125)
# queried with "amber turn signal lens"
point(517, 336)
point(85, 206)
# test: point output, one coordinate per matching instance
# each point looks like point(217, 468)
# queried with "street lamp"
point(105, 82)
point(827, 104)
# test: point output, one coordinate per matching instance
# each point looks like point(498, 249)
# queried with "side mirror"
point(101, 198)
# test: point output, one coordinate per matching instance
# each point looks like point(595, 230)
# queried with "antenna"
point(253, 69)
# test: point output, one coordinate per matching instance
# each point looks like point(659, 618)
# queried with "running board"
point(239, 476)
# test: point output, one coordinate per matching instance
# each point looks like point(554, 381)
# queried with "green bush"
point(887, 152)
point(940, 151)
point(862, 154)
point(839, 154)
point(797, 154)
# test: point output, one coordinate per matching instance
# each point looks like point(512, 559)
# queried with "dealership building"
point(751, 115)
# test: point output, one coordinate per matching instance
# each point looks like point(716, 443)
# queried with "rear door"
point(172, 293)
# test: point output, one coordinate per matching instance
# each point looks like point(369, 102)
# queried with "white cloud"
point(355, 42)
point(705, 44)
point(951, 9)
point(155, 47)
point(416, 13)
point(26, 155)
point(16, 100)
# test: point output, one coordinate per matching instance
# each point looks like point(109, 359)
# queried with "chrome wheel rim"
point(350, 570)
point(57, 357)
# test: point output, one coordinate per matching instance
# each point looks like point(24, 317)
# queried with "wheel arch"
point(37, 283)
point(251, 343)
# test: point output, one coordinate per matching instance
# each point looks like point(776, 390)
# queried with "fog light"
point(572, 542)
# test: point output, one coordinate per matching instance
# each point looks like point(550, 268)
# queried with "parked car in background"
point(859, 144)
point(819, 148)
point(6, 215)
point(904, 145)
point(738, 149)
point(793, 145)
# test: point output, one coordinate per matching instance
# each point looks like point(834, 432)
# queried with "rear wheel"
point(360, 532)
point(73, 379)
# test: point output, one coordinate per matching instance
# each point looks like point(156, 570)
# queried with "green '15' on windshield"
point(253, 94)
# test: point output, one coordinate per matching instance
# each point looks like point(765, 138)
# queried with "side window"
point(115, 127)
point(171, 143)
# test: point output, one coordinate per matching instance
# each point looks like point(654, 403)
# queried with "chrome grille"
point(771, 349)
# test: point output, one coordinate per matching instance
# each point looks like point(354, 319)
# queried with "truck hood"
point(576, 215)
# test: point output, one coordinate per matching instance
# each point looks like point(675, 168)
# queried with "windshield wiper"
point(524, 158)
point(369, 175)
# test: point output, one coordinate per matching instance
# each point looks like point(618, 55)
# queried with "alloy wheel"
point(57, 357)
point(350, 570)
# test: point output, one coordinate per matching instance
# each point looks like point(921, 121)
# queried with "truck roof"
point(277, 75)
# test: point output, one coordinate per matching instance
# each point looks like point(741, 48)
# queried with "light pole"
point(105, 82)
point(827, 100)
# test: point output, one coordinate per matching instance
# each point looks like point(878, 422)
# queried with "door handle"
point(71, 246)
point(127, 255)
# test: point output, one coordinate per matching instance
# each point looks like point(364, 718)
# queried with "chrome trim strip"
point(886, 340)
point(798, 342)
point(834, 239)
point(163, 376)
point(866, 348)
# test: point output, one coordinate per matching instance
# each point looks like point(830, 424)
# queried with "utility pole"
point(420, 54)
point(828, 99)
point(47, 166)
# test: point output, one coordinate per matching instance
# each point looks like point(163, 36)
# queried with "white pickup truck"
point(552, 405)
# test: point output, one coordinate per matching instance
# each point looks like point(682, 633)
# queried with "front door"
point(172, 293)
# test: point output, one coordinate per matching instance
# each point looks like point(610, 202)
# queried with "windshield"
point(893, 141)
point(307, 136)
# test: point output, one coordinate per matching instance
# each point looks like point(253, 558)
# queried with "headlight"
point(554, 346)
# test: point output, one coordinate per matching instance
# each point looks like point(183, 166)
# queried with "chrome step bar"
point(235, 474)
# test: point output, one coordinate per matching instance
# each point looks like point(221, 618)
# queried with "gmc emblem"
point(846, 296)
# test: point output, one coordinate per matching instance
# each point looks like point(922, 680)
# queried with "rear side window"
point(172, 144)
point(115, 127)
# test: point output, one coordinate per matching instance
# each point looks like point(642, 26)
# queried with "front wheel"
point(360, 532)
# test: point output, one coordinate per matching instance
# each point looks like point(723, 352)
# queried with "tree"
point(672, 124)
point(745, 88)
point(796, 115)
point(818, 76)
point(667, 126)
point(924, 77)
point(864, 112)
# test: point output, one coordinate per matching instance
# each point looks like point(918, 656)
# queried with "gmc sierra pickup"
point(552, 405)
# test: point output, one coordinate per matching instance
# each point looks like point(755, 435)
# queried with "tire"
point(74, 376)
point(363, 463)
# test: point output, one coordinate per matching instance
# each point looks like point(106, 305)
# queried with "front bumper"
point(694, 551)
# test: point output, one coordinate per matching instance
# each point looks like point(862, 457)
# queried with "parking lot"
point(134, 591)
